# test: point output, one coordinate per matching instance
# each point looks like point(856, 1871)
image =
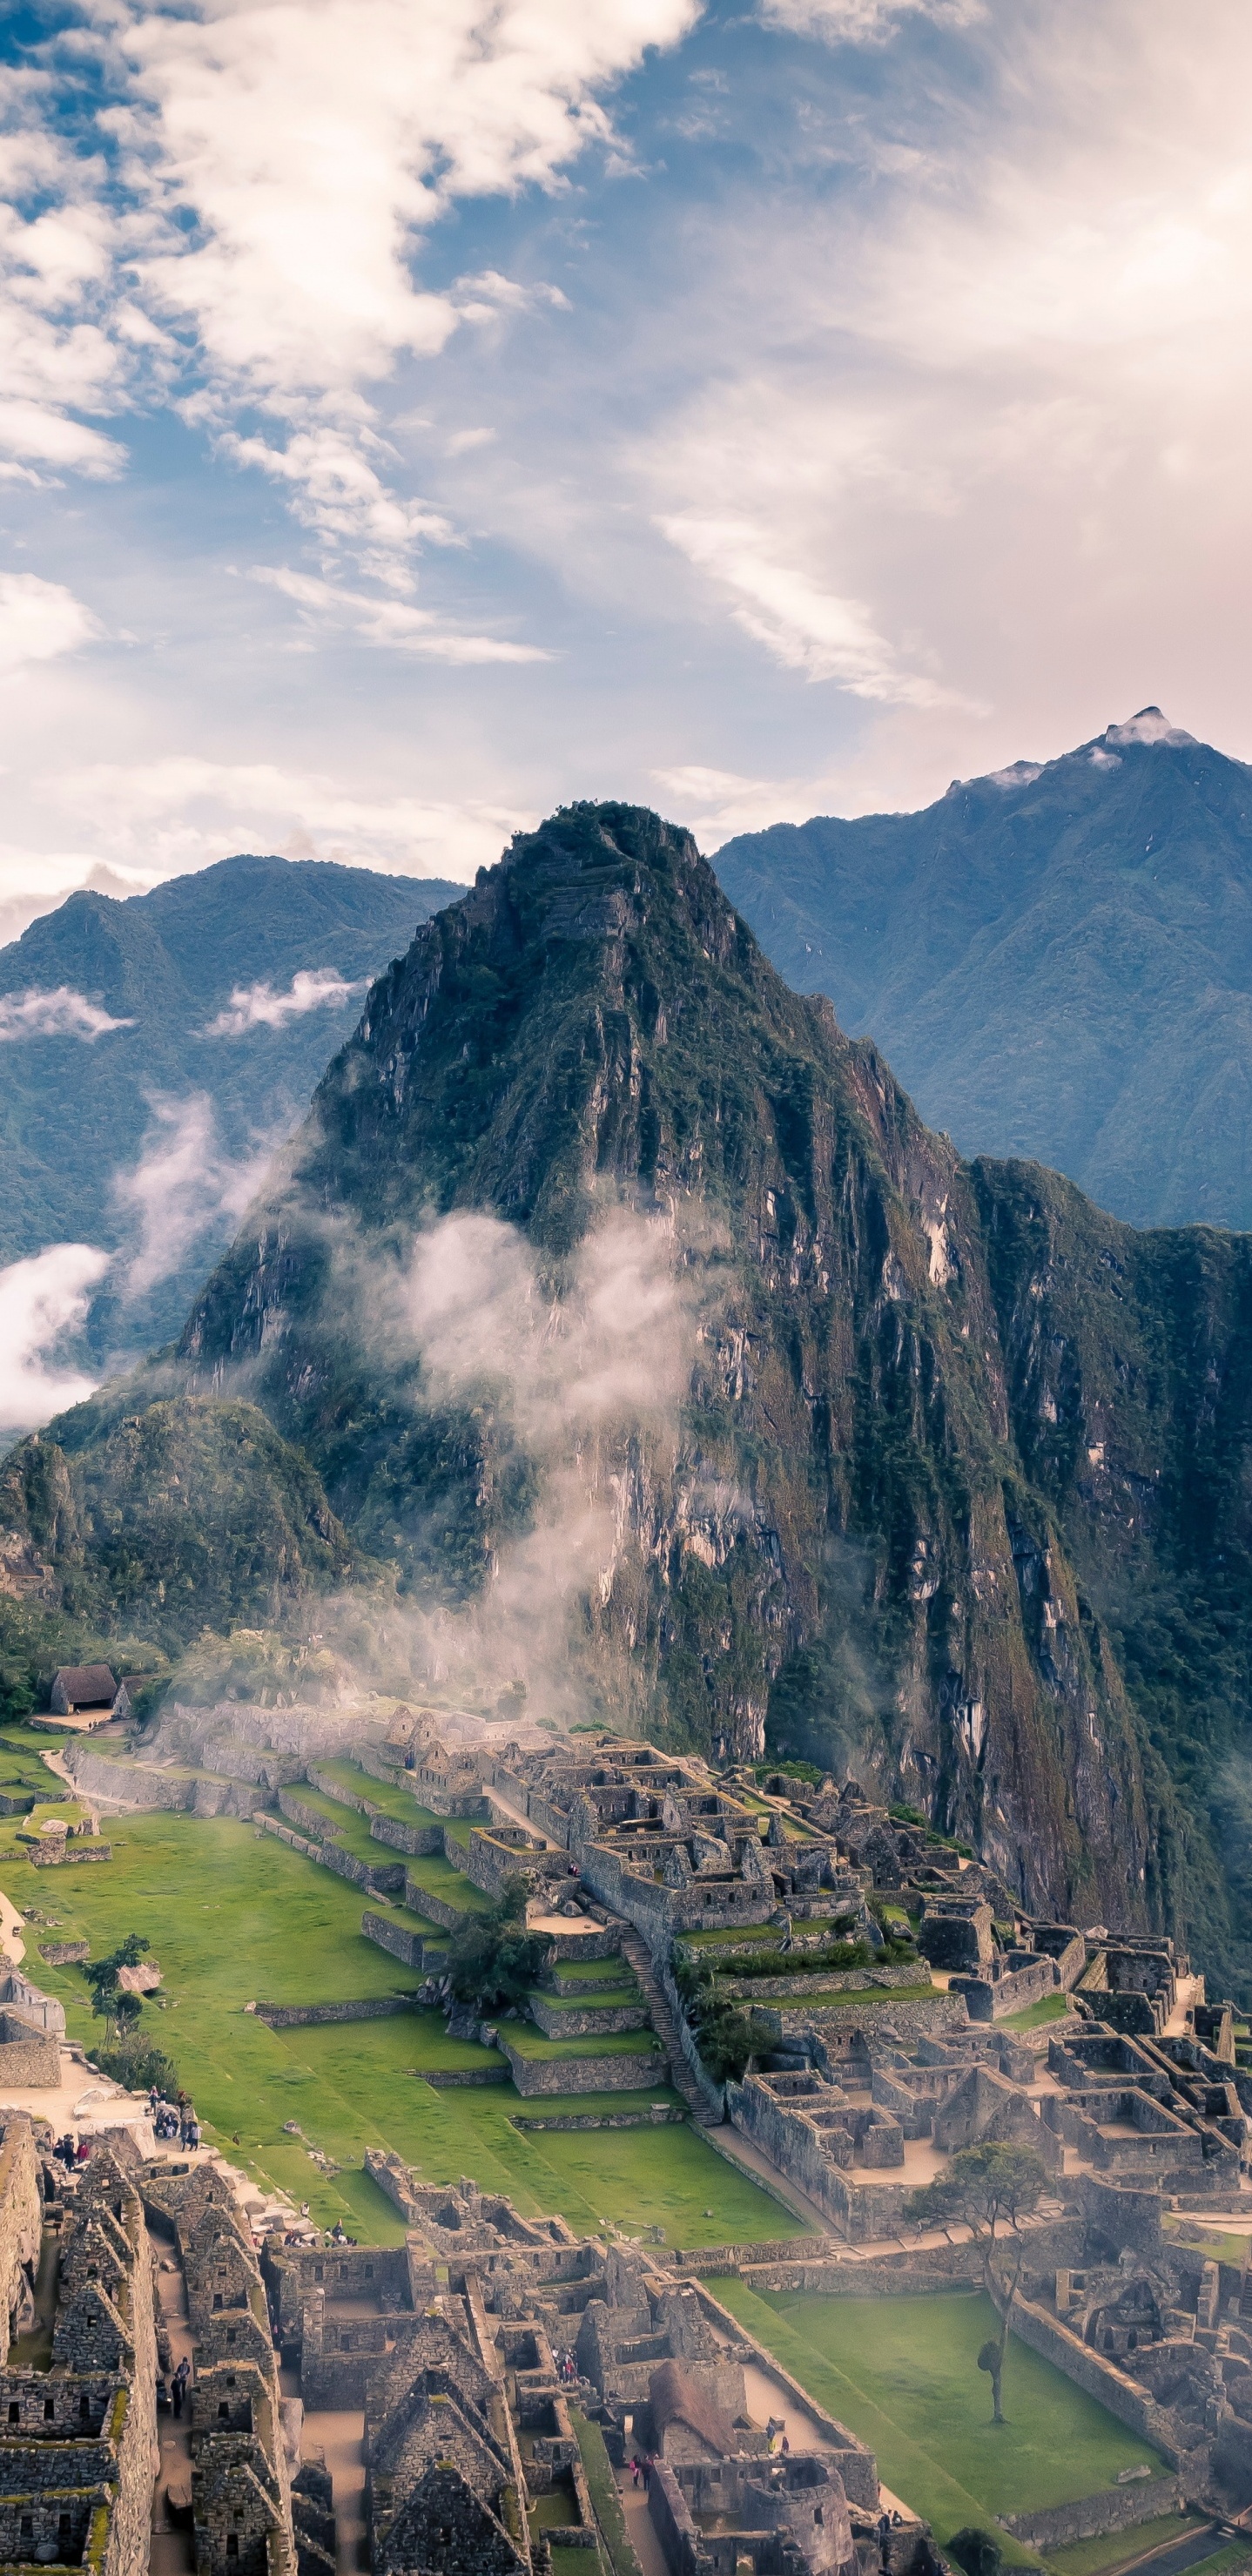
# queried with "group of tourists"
point(72, 2156)
point(641, 2467)
point(173, 2120)
point(566, 2367)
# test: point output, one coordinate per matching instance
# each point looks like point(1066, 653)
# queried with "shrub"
point(138, 2068)
point(977, 2552)
point(493, 1960)
point(727, 2036)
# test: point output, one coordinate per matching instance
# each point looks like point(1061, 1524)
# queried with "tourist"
point(634, 2473)
point(193, 2134)
point(647, 2472)
point(784, 2446)
point(181, 2377)
point(84, 2151)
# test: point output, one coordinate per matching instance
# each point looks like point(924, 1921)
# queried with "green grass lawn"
point(901, 2373)
point(530, 2042)
point(590, 2001)
point(391, 1801)
point(596, 1972)
point(343, 1825)
point(234, 1916)
point(1048, 2008)
point(439, 1878)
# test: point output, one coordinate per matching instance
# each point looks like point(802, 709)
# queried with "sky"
point(415, 414)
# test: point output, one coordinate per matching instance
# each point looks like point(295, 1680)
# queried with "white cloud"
point(391, 622)
point(315, 147)
point(182, 1185)
point(39, 620)
point(58, 1014)
point(42, 1302)
point(986, 394)
point(60, 348)
point(865, 22)
point(805, 626)
point(181, 812)
point(258, 1006)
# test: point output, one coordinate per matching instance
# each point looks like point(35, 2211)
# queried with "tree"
point(118, 2011)
point(493, 1960)
point(985, 2188)
point(977, 2552)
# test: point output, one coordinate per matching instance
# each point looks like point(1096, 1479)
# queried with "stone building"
point(241, 2486)
point(77, 2434)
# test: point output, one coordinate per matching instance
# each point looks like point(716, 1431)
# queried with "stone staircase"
point(664, 2023)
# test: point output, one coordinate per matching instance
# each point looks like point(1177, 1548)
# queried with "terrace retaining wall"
point(1110, 2509)
point(630, 2073)
point(396, 1938)
point(560, 2020)
point(366, 2008)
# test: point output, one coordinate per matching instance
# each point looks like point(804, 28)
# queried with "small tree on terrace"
point(493, 1960)
point(118, 2011)
point(990, 2189)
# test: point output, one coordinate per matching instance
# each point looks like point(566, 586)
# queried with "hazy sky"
point(416, 413)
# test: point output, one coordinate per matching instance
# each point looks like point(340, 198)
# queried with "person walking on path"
point(179, 2384)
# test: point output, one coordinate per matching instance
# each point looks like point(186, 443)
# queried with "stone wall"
point(365, 2008)
point(622, 2074)
point(26, 2058)
point(385, 1879)
point(29, 2003)
point(65, 1954)
point(420, 1842)
point(399, 1939)
point(989, 1999)
point(657, 2116)
point(21, 2219)
point(586, 2021)
point(1101, 2378)
point(936, 2012)
point(1111, 2509)
point(60, 1853)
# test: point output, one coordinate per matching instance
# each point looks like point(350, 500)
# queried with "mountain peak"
point(1149, 726)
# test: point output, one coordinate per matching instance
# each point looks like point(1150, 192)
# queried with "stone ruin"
point(77, 2418)
point(465, 2350)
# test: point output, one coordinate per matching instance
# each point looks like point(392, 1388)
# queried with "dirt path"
point(173, 2550)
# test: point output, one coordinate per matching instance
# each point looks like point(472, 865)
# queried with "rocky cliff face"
point(876, 1525)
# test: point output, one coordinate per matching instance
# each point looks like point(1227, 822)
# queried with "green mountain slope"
point(959, 1493)
point(1057, 961)
point(75, 1112)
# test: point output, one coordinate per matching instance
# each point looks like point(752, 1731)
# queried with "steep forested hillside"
point(76, 1108)
point(958, 1492)
point(1056, 960)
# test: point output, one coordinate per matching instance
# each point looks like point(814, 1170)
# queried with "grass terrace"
point(439, 1878)
point(235, 1916)
point(343, 1825)
point(381, 1794)
point(1049, 2008)
point(911, 2389)
point(616, 1971)
point(530, 2042)
point(755, 1936)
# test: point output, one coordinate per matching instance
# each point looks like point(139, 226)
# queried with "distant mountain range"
point(1057, 959)
point(192, 1024)
point(952, 1487)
